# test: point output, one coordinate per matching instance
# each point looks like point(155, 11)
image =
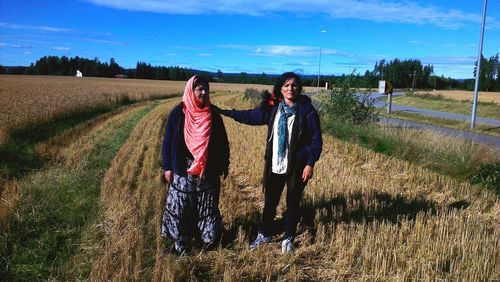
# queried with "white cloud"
point(33, 27)
point(295, 51)
point(370, 10)
point(15, 46)
point(59, 48)
point(449, 60)
point(235, 46)
point(92, 36)
point(102, 41)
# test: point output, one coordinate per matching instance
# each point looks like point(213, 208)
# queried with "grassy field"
point(93, 211)
point(456, 124)
point(462, 95)
point(489, 110)
point(31, 100)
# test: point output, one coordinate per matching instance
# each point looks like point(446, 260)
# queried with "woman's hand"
point(168, 177)
point(307, 174)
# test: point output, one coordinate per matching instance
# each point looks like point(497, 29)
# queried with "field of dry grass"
point(28, 100)
point(493, 97)
point(367, 216)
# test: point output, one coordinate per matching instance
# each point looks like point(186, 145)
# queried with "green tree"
point(114, 68)
point(346, 106)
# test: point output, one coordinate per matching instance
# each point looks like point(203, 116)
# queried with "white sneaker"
point(287, 245)
point(261, 239)
point(179, 248)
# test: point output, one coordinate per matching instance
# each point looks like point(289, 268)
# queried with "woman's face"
point(201, 94)
point(290, 90)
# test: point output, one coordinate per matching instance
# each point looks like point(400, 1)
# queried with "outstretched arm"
point(257, 116)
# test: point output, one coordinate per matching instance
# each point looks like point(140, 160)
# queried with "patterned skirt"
point(192, 210)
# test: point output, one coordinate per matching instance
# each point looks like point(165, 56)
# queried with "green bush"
point(346, 106)
point(437, 97)
point(488, 175)
point(259, 98)
point(251, 94)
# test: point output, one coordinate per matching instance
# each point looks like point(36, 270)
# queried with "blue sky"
point(252, 36)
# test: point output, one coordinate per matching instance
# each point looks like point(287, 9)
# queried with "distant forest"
point(403, 73)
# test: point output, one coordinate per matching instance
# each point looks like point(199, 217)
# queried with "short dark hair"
point(282, 79)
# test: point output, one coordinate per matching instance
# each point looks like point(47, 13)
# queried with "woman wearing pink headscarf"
point(195, 153)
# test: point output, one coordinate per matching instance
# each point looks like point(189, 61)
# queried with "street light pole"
point(476, 86)
point(319, 63)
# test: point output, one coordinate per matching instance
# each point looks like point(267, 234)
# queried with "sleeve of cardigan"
point(225, 148)
point(257, 116)
point(166, 148)
point(316, 145)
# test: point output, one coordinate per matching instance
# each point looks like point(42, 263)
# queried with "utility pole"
point(319, 63)
point(414, 79)
point(478, 69)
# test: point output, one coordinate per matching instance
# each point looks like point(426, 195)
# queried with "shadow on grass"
point(249, 223)
point(366, 208)
point(355, 208)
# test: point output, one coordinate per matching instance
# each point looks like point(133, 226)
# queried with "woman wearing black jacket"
point(293, 145)
point(195, 153)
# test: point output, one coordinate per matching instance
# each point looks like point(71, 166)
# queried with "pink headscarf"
point(197, 126)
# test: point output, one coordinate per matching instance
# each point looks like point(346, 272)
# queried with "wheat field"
point(492, 97)
point(366, 216)
point(29, 100)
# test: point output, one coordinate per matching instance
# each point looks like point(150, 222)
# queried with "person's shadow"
point(249, 223)
point(352, 208)
point(368, 207)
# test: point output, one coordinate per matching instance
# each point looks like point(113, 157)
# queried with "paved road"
point(474, 137)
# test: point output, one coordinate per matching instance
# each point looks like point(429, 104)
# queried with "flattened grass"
point(56, 204)
point(367, 216)
point(20, 155)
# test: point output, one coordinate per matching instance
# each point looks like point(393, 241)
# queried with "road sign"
point(385, 87)
point(388, 87)
point(381, 86)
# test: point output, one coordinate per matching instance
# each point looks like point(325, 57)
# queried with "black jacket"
point(174, 149)
point(306, 143)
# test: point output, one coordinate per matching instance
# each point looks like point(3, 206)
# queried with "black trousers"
point(273, 189)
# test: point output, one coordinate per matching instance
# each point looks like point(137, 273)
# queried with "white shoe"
point(261, 239)
point(179, 248)
point(287, 245)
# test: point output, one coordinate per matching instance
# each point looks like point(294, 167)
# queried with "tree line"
point(403, 73)
point(413, 74)
point(54, 65)
point(489, 76)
